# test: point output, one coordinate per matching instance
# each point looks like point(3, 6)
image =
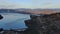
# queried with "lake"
point(13, 21)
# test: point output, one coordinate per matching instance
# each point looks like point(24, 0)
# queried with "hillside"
point(30, 11)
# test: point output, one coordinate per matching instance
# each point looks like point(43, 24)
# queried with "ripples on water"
point(13, 21)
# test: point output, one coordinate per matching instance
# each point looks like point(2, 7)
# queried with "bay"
point(13, 21)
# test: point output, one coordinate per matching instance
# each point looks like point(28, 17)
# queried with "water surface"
point(13, 21)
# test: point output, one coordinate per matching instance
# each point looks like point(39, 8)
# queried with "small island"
point(1, 17)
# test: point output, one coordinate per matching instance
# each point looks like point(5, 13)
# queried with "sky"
point(12, 4)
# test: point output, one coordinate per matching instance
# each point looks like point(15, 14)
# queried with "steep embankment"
point(43, 24)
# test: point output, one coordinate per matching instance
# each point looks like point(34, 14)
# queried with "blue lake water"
point(13, 21)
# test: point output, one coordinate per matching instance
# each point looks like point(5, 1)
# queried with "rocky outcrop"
point(1, 17)
point(43, 24)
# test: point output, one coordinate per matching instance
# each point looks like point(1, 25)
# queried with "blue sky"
point(29, 3)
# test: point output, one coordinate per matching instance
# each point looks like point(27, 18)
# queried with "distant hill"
point(29, 11)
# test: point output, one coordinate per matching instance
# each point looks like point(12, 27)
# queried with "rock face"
point(43, 24)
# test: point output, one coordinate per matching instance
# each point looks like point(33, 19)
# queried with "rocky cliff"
point(43, 24)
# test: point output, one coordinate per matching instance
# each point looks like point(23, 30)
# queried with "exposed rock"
point(1, 17)
point(43, 24)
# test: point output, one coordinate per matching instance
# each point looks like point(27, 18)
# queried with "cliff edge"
point(43, 24)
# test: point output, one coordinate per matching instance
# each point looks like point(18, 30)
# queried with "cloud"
point(9, 5)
